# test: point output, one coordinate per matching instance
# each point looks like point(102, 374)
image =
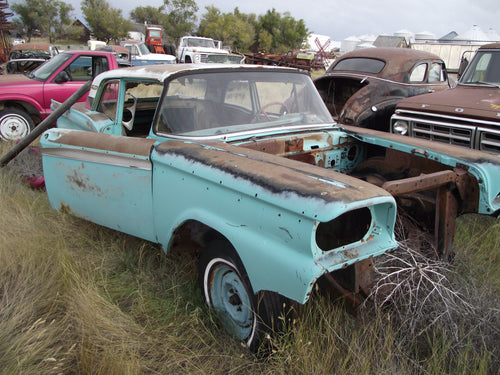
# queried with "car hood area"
point(14, 79)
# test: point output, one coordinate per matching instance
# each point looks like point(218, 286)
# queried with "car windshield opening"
point(44, 71)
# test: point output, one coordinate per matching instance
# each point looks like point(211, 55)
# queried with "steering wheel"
point(262, 110)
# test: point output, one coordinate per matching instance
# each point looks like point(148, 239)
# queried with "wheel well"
point(23, 106)
point(199, 233)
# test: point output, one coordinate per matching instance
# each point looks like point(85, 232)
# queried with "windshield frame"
point(48, 68)
point(312, 112)
point(468, 77)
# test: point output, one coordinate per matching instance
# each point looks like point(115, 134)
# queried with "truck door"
point(72, 76)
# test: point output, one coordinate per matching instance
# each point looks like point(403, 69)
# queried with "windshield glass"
point(153, 33)
point(44, 71)
point(144, 50)
point(484, 68)
point(198, 42)
point(360, 64)
point(215, 104)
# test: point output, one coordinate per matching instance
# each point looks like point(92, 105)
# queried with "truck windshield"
point(217, 104)
point(44, 71)
point(483, 69)
point(199, 42)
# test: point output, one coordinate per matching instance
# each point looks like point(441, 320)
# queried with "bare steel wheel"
point(14, 124)
point(226, 289)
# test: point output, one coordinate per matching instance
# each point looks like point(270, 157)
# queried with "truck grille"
point(472, 133)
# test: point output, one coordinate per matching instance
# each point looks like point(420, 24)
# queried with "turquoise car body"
point(286, 195)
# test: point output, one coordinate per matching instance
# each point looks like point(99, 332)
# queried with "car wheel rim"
point(228, 296)
point(13, 127)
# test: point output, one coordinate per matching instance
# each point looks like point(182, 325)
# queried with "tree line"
point(272, 32)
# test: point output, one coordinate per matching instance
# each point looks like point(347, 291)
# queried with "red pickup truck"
point(25, 99)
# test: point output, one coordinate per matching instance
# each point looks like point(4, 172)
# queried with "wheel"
point(169, 49)
point(14, 124)
point(226, 289)
point(262, 111)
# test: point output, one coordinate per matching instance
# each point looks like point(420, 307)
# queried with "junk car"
point(362, 87)
point(249, 161)
point(25, 57)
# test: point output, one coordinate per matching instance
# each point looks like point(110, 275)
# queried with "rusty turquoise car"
point(280, 199)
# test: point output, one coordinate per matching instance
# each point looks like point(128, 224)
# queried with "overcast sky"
point(340, 19)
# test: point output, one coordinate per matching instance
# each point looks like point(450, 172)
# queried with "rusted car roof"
point(31, 45)
point(398, 61)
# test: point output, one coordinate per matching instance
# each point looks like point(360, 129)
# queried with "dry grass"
point(79, 298)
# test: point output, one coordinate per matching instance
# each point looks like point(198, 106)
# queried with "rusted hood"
point(275, 174)
point(464, 101)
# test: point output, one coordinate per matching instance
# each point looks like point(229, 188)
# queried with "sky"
point(340, 19)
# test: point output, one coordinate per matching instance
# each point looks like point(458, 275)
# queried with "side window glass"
point(100, 64)
point(436, 73)
point(80, 69)
point(109, 99)
point(418, 73)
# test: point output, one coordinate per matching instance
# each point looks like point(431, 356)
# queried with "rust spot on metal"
point(83, 183)
point(274, 173)
point(107, 142)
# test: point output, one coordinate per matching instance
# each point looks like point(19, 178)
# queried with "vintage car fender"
point(272, 209)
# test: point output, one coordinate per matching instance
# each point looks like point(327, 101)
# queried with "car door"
point(103, 178)
point(78, 71)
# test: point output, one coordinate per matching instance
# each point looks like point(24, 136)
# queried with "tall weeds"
point(77, 298)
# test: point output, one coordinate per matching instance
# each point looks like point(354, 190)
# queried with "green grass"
point(79, 298)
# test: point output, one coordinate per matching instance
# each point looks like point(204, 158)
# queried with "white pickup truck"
point(195, 49)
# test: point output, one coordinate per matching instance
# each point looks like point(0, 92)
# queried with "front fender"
point(27, 102)
point(269, 208)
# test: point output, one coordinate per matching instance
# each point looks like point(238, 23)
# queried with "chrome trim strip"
point(253, 132)
point(124, 160)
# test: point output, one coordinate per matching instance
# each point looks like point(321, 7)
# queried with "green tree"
point(180, 17)
point(107, 23)
point(148, 14)
point(235, 29)
point(176, 17)
point(279, 33)
point(47, 16)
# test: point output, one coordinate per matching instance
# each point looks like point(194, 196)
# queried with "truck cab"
point(25, 99)
point(195, 49)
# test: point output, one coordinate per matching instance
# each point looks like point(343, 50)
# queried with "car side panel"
point(103, 179)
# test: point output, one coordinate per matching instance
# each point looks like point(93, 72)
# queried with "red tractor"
point(153, 39)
